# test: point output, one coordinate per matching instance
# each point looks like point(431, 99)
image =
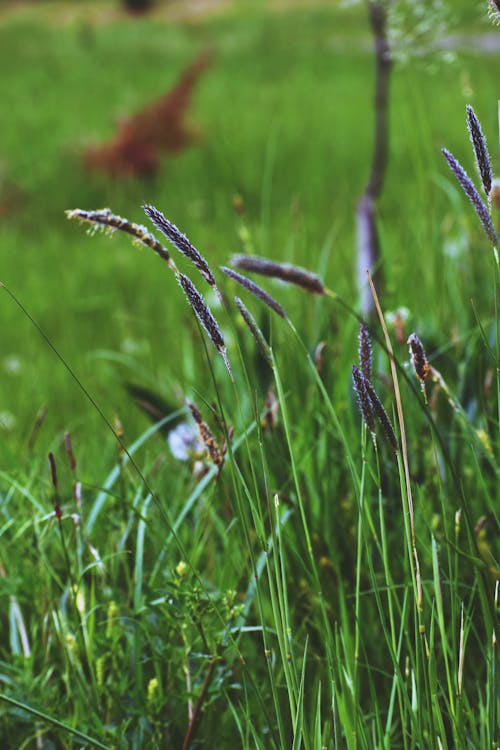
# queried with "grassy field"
point(275, 603)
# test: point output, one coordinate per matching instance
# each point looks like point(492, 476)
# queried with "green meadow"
point(316, 591)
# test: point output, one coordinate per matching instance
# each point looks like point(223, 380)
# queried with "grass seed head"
point(53, 470)
point(68, 444)
point(371, 407)
point(106, 219)
point(216, 454)
point(256, 332)
point(472, 194)
point(181, 242)
point(204, 315)
point(480, 149)
point(365, 351)
point(423, 369)
point(382, 416)
point(364, 401)
point(256, 290)
point(283, 271)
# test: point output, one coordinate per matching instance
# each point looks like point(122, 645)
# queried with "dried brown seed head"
point(216, 454)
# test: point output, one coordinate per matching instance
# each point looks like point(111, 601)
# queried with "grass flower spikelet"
point(181, 243)
point(254, 329)
point(204, 315)
point(364, 401)
point(256, 290)
point(423, 369)
point(211, 444)
point(480, 149)
point(365, 351)
point(105, 218)
point(472, 194)
point(283, 271)
point(382, 416)
point(371, 407)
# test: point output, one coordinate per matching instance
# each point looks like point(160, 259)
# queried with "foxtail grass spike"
point(68, 444)
point(371, 407)
point(256, 290)
point(283, 271)
point(105, 218)
point(254, 329)
point(181, 242)
point(211, 444)
point(420, 363)
point(365, 352)
point(53, 470)
point(480, 149)
point(472, 195)
point(364, 401)
point(205, 317)
point(382, 416)
point(53, 475)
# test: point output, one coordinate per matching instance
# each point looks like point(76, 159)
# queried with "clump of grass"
point(255, 603)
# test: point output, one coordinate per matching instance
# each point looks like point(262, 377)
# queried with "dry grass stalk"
point(472, 194)
point(182, 243)
point(106, 219)
point(254, 329)
point(480, 147)
point(283, 271)
point(256, 290)
point(205, 317)
point(217, 455)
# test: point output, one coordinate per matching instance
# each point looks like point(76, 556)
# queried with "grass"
point(274, 603)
